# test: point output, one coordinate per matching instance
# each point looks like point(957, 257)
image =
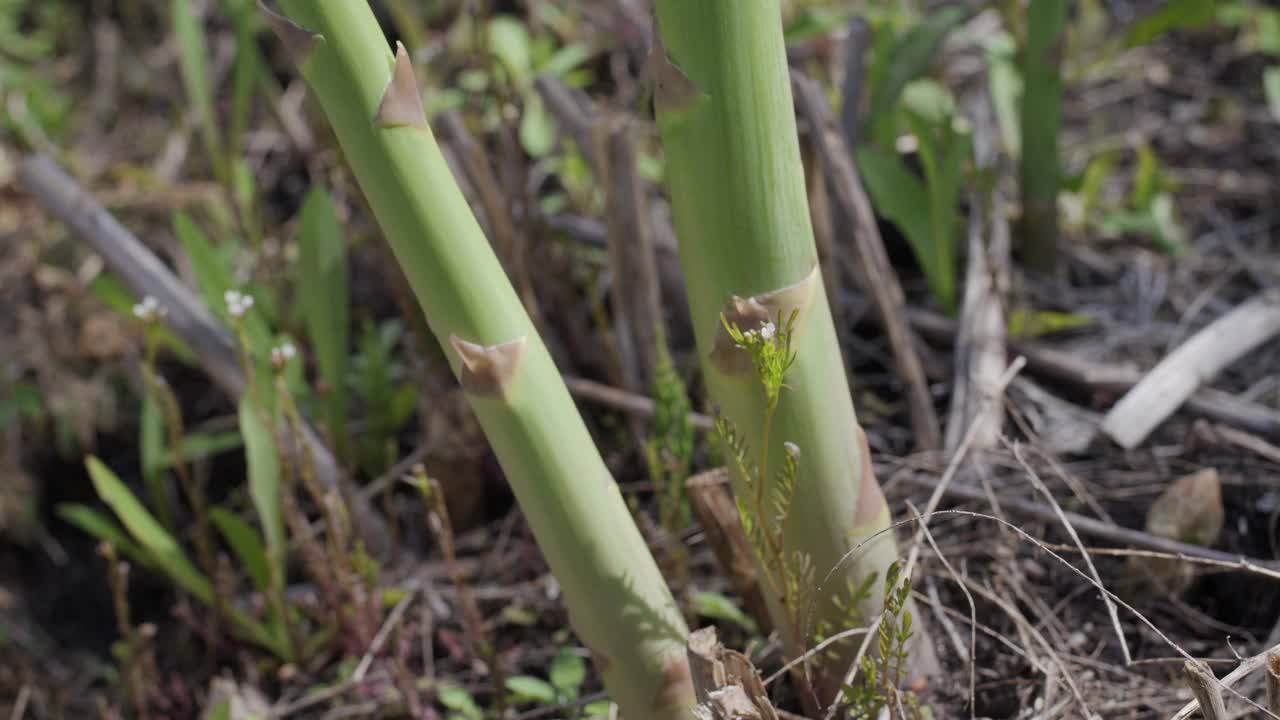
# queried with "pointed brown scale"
point(401, 105)
point(753, 312)
point(673, 91)
point(488, 370)
point(675, 688)
point(298, 41)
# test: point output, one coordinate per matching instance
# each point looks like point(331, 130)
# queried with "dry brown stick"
point(1205, 687)
point(877, 274)
point(980, 342)
point(1109, 377)
point(822, 216)
point(1273, 682)
point(479, 172)
point(1246, 666)
point(210, 343)
point(636, 298)
point(1200, 358)
point(855, 53)
point(575, 114)
point(1218, 433)
point(1099, 529)
point(625, 401)
point(712, 503)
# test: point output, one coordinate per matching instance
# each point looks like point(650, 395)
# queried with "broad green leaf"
point(1174, 15)
point(245, 544)
point(943, 151)
point(597, 709)
point(104, 528)
point(909, 60)
point(567, 673)
point(509, 42)
point(458, 700)
point(903, 198)
point(930, 100)
point(537, 128)
point(531, 689)
point(146, 531)
point(566, 60)
point(718, 607)
point(322, 287)
point(264, 480)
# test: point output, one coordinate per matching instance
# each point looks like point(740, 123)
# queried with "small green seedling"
point(459, 702)
point(565, 677)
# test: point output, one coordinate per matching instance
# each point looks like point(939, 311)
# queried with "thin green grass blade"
point(151, 450)
point(322, 287)
point(245, 544)
point(264, 481)
point(193, 61)
point(148, 533)
point(214, 278)
point(104, 528)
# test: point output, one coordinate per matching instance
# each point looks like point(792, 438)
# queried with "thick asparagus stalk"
point(724, 108)
point(618, 602)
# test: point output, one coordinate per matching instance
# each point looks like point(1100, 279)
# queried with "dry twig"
point(1200, 358)
point(980, 342)
point(877, 275)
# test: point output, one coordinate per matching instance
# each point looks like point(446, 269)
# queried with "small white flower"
point(749, 335)
point(149, 310)
point(238, 303)
point(282, 354)
point(768, 331)
point(793, 450)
